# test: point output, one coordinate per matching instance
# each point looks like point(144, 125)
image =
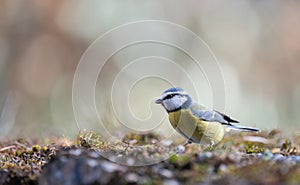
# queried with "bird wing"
point(211, 115)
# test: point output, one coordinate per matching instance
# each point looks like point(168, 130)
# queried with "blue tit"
point(195, 122)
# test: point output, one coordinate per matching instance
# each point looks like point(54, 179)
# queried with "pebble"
point(132, 177)
point(166, 173)
point(170, 182)
point(92, 162)
point(223, 168)
point(260, 155)
point(279, 157)
point(295, 158)
point(180, 149)
point(204, 156)
point(94, 154)
point(267, 155)
point(130, 161)
point(111, 167)
point(75, 152)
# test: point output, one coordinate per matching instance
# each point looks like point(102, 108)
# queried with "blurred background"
point(257, 44)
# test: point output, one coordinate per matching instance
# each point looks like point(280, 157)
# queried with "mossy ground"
point(241, 158)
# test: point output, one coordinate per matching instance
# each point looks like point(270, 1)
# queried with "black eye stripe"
point(169, 96)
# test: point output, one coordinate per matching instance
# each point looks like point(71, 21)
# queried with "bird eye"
point(169, 96)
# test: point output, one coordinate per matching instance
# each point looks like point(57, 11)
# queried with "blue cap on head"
point(174, 89)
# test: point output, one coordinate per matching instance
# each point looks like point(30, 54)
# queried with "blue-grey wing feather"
point(212, 115)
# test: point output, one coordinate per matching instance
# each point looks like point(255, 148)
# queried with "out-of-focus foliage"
point(257, 44)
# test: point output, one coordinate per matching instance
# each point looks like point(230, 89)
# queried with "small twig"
point(7, 148)
point(20, 144)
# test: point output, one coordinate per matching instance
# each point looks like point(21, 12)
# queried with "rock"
point(69, 168)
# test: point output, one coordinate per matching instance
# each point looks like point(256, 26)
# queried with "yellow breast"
point(195, 129)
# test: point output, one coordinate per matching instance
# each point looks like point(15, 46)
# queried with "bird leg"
point(211, 146)
point(187, 143)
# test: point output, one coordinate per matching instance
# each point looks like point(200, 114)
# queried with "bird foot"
point(211, 147)
point(181, 148)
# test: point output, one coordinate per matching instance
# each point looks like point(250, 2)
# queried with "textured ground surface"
point(264, 158)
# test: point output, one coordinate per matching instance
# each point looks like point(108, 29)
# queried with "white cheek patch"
point(175, 102)
point(168, 105)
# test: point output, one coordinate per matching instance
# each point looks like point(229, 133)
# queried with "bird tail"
point(243, 128)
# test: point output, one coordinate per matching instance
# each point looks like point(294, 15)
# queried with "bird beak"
point(158, 101)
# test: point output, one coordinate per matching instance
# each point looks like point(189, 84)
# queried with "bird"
point(194, 121)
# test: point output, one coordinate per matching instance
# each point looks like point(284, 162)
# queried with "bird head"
point(174, 99)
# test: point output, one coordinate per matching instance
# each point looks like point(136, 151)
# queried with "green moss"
point(18, 153)
point(141, 139)
point(45, 149)
point(8, 165)
point(90, 140)
point(251, 147)
point(179, 160)
point(286, 145)
point(36, 148)
point(287, 148)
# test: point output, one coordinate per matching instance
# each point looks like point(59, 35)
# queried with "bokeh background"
point(257, 44)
